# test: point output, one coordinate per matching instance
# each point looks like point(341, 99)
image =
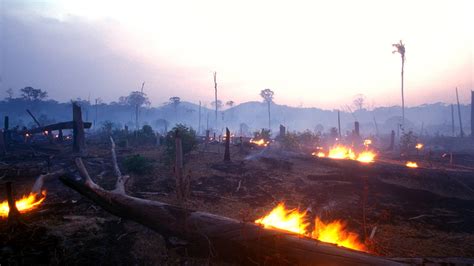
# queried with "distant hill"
point(434, 118)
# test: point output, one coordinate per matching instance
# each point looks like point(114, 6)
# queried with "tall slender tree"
point(400, 48)
point(267, 96)
point(215, 94)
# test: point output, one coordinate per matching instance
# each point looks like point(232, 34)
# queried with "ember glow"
point(342, 152)
point(412, 164)
point(334, 232)
point(419, 146)
point(25, 204)
point(367, 142)
point(260, 142)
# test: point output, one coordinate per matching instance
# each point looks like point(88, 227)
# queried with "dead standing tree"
point(459, 114)
point(215, 95)
point(182, 182)
point(79, 142)
point(227, 146)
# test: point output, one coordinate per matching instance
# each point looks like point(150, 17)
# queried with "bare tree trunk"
point(181, 186)
point(136, 117)
point(199, 124)
point(282, 131)
point(269, 121)
point(459, 114)
point(13, 213)
point(392, 140)
point(356, 129)
point(452, 120)
point(403, 96)
point(34, 118)
point(2, 143)
point(79, 143)
point(472, 114)
point(339, 123)
point(227, 146)
point(215, 94)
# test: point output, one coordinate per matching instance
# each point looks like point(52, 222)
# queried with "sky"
point(310, 53)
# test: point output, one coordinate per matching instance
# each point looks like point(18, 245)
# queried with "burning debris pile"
point(295, 221)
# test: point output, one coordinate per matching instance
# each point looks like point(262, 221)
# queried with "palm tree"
point(267, 96)
point(400, 48)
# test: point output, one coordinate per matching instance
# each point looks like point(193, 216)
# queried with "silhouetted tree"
point(359, 101)
point(400, 48)
point(267, 96)
point(175, 101)
point(10, 94)
point(137, 99)
point(31, 94)
point(230, 103)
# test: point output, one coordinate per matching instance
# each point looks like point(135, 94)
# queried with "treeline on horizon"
point(135, 110)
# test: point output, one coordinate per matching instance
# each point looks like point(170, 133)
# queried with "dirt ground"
point(424, 212)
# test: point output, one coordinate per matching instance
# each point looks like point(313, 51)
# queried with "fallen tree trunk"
point(52, 127)
point(228, 237)
point(216, 235)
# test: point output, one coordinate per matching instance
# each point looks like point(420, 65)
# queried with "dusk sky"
point(310, 53)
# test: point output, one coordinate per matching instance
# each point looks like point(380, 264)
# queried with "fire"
point(366, 157)
point(289, 220)
point(342, 152)
point(26, 203)
point(260, 142)
point(319, 154)
point(367, 142)
point(334, 232)
point(419, 146)
point(412, 164)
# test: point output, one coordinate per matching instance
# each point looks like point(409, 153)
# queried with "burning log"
point(227, 146)
point(213, 234)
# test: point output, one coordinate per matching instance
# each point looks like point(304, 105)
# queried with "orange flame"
point(260, 142)
point(419, 146)
point(366, 157)
point(289, 220)
point(342, 152)
point(319, 154)
point(412, 164)
point(25, 204)
point(334, 232)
